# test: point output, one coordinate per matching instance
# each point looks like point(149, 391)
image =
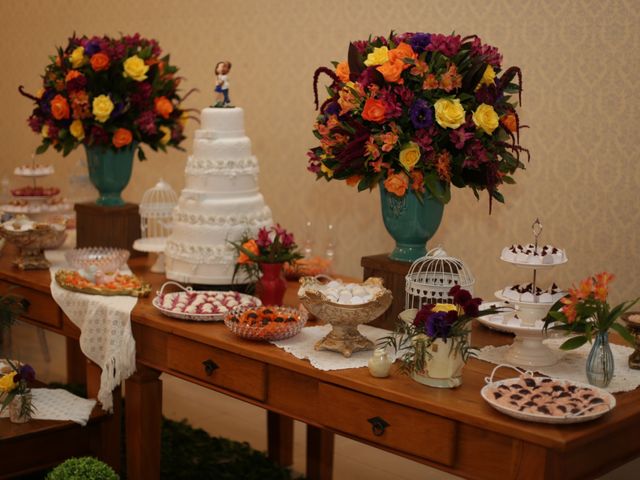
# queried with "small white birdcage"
point(431, 277)
point(156, 210)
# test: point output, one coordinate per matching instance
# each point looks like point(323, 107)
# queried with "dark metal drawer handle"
point(209, 366)
point(378, 425)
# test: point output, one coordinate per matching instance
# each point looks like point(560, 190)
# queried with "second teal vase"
point(410, 221)
point(110, 172)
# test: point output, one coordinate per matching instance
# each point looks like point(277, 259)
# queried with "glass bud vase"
point(600, 361)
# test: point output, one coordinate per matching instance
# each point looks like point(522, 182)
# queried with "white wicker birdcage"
point(156, 209)
point(431, 277)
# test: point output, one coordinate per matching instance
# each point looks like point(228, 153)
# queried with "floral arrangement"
point(272, 245)
point(419, 112)
point(109, 92)
point(449, 322)
point(585, 311)
point(17, 383)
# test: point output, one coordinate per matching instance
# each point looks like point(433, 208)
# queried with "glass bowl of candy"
point(265, 323)
point(90, 260)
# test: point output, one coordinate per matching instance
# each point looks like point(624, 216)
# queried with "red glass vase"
point(272, 284)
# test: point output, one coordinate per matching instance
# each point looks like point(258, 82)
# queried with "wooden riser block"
point(393, 275)
point(99, 226)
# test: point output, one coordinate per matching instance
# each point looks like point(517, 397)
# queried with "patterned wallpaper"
point(580, 62)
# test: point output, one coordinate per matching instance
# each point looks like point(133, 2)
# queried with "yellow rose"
point(40, 93)
point(326, 170)
point(45, 131)
point(379, 56)
point(444, 307)
point(167, 135)
point(102, 108)
point(449, 113)
point(6, 383)
point(77, 57)
point(486, 118)
point(410, 155)
point(488, 77)
point(135, 68)
point(76, 129)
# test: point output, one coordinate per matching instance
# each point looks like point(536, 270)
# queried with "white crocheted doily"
point(56, 404)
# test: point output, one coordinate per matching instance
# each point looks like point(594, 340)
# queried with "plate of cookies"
point(537, 398)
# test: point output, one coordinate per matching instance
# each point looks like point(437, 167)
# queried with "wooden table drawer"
point(217, 367)
point(404, 429)
point(42, 309)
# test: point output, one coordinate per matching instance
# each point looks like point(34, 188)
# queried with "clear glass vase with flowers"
point(15, 392)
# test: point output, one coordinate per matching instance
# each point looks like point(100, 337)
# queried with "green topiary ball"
point(83, 468)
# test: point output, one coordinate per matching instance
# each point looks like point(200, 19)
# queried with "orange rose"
point(391, 71)
point(164, 107)
point(343, 72)
point(510, 122)
point(353, 180)
point(374, 110)
point(122, 138)
point(99, 61)
point(250, 246)
point(59, 107)
point(403, 50)
point(397, 183)
point(71, 74)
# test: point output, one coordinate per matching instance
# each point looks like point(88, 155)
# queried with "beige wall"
point(580, 62)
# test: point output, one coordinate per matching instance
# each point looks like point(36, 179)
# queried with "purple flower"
point(394, 108)
point(405, 94)
point(421, 114)
point(146, 122)
point(35, 123)
point(438, 325)
point(459, 136)
point(332, 108)
point(361, 46)
point(476, 154)
point(419, 42)
point(287, 240)
point(27, 373)
point(264, 238)
point(424, 138)
point(313, 162)
point(423, 315)
point(370, 75)
point(93, 46)
point(77, 83)
point(492, 56)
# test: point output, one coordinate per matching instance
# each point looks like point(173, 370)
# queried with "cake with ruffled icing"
point(219, 203)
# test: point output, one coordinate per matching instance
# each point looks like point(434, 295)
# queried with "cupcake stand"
point(530, 306)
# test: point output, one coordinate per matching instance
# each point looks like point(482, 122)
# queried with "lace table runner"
point(572, 364)
point(56, 404)
point(105, 326)
point(302, 346)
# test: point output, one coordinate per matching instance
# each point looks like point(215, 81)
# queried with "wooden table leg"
point(319, 453)
point(109, 444)
point(143, 416)
point(280, 438)
point(76, 363)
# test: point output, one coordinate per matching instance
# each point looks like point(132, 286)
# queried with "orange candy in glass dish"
point(265, 323)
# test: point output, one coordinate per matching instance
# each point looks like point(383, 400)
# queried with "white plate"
point(536, 266)
point(506, 321)
point(541, 417)
point(200, 317)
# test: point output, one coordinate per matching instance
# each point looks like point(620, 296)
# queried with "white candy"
point(355, 300)
point(231, 303)
point(222, 309)
point(359, 291)
point(527, 297)
point(334, 284)
point(345, 299)
point(207, 308)
point(190, 309)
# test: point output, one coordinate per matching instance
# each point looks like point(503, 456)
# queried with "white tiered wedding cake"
point(219, 203)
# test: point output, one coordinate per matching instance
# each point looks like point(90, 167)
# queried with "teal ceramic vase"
point(410, 222)
point(110, 172)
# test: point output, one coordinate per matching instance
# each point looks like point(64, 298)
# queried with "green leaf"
point(508, 179)
point(574, 342)
point(624, 333)
point(141, 155)
point(42, 148)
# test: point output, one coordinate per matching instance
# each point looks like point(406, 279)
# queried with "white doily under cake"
point(57, 404)
point(302, 346)
point(572, 364)
point(105, 330)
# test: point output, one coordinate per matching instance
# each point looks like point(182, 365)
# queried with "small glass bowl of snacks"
point(265, 323)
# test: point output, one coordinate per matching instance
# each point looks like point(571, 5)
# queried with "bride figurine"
point(222, 84)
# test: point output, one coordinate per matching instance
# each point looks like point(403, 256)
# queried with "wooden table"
point(452, 430)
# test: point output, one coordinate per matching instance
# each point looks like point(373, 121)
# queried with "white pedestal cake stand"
point(153, 245)
point(527, 349)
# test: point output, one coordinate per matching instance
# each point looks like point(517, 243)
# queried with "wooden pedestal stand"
point(392, 273)
point(99, 226)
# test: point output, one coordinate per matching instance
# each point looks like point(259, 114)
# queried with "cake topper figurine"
point(222, 84)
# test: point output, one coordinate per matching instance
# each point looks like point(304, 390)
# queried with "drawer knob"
point(209, 366)
point(378, 425)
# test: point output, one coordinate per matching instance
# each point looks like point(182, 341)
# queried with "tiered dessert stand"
point(526, 321)
point(36, 202)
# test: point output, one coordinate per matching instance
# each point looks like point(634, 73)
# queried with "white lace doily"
point(302, 346)
point(56, 404)
point(105, 326)
point(572, 364)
